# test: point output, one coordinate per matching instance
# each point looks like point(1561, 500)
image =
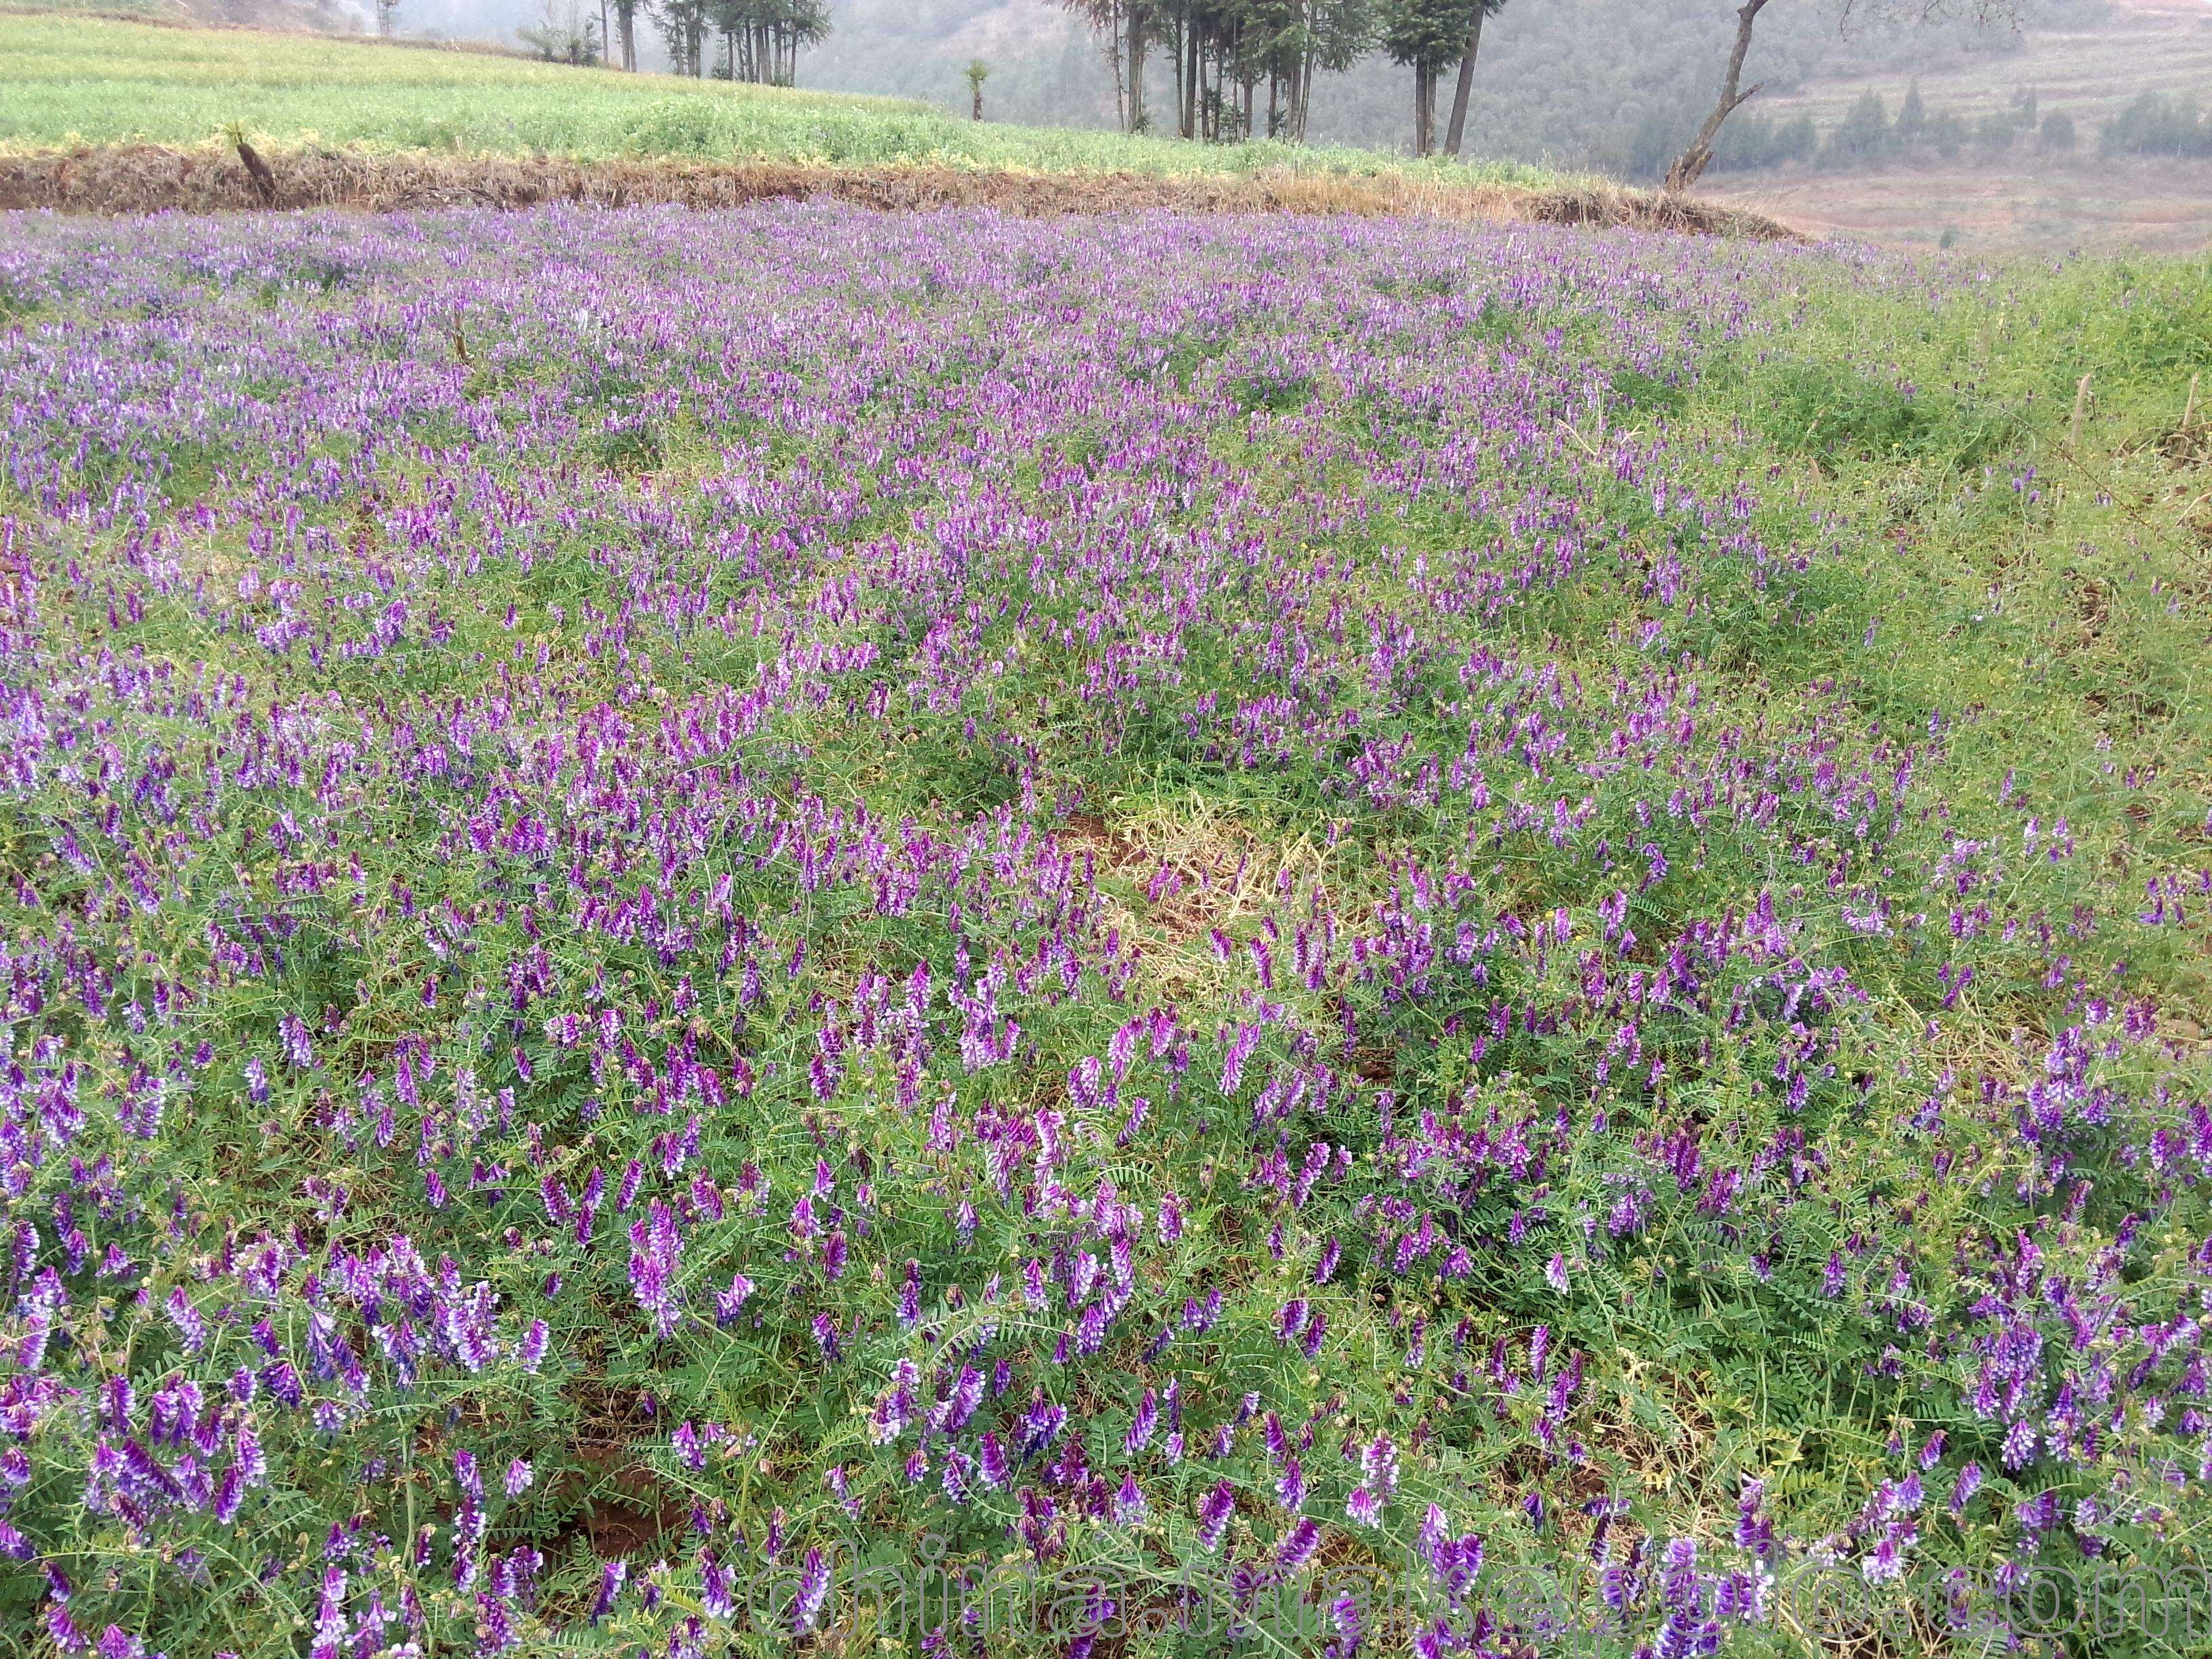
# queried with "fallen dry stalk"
point(119, 178)
point(264, 182)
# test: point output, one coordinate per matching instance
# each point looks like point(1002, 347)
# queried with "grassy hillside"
point(2086, 68)
point(104, 81)
point(2030, 195)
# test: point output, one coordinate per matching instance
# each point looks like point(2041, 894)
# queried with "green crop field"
point(100, 81)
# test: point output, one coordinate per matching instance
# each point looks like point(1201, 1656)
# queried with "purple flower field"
point(1200, 935)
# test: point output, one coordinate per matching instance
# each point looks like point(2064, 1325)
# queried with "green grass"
point(161, 11)
point(103, 81)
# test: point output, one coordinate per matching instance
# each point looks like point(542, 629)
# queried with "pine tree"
point(1911, 117)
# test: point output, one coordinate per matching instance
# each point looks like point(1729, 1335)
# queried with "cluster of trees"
point(1239, 69)
point(756, 40)
point(566, 33)
point(1866, 135)
point(2155, 124)
point(1219, 53)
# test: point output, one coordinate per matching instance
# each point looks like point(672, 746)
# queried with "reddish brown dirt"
point(2090, 204)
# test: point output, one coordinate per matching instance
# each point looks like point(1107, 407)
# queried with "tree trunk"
point(1458, 128)
point(1114, 43)
point(1424, 78)
point(1190, 84)
point(1174, 41)
point(628, 21)
point(1693, 161)
point(1136, 66)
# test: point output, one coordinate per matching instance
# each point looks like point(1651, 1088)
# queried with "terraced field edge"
point(125, 179)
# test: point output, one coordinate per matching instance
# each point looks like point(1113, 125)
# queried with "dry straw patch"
point(115, 178)
point(1172, 871)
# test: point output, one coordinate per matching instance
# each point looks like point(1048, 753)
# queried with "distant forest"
point(1617, 86)
point(1614, 85)
point(1868, 134)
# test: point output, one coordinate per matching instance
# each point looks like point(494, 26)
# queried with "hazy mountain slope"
point(1044, 67)
point(2029, 195)
point(1614, 84)
point(2091, 65)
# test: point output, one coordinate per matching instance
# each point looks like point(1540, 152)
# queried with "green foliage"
point(106, 81)
point(2155, 124)
point(1830, 410)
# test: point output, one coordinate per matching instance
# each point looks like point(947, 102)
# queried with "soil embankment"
point(153, 177)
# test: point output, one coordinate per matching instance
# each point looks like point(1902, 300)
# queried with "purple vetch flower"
point(813, 1592)
point(1141, 1425)
point(496, 1633)
point(191, 1328)
point(1040, 1425)
point(717, 1588)
point(330, 1616)
point(896, 1406)
point(728, 1302)
point(1213, 1514)
point(1964, 1488)
point(1344, 1617)
point(611, 1575)
point(991, 1466)
point(1378, 1465)
point(686, 1443)
point(656, 1253)
point(1316, 1335)
point(1298, 1544)
point(909, 1306)
point(469, 1521)
point(1129, 1506)
point(529, 1350)
point(1240, 1050)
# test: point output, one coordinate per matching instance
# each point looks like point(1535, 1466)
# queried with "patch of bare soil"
point(2040, 205)
point(154, 178)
